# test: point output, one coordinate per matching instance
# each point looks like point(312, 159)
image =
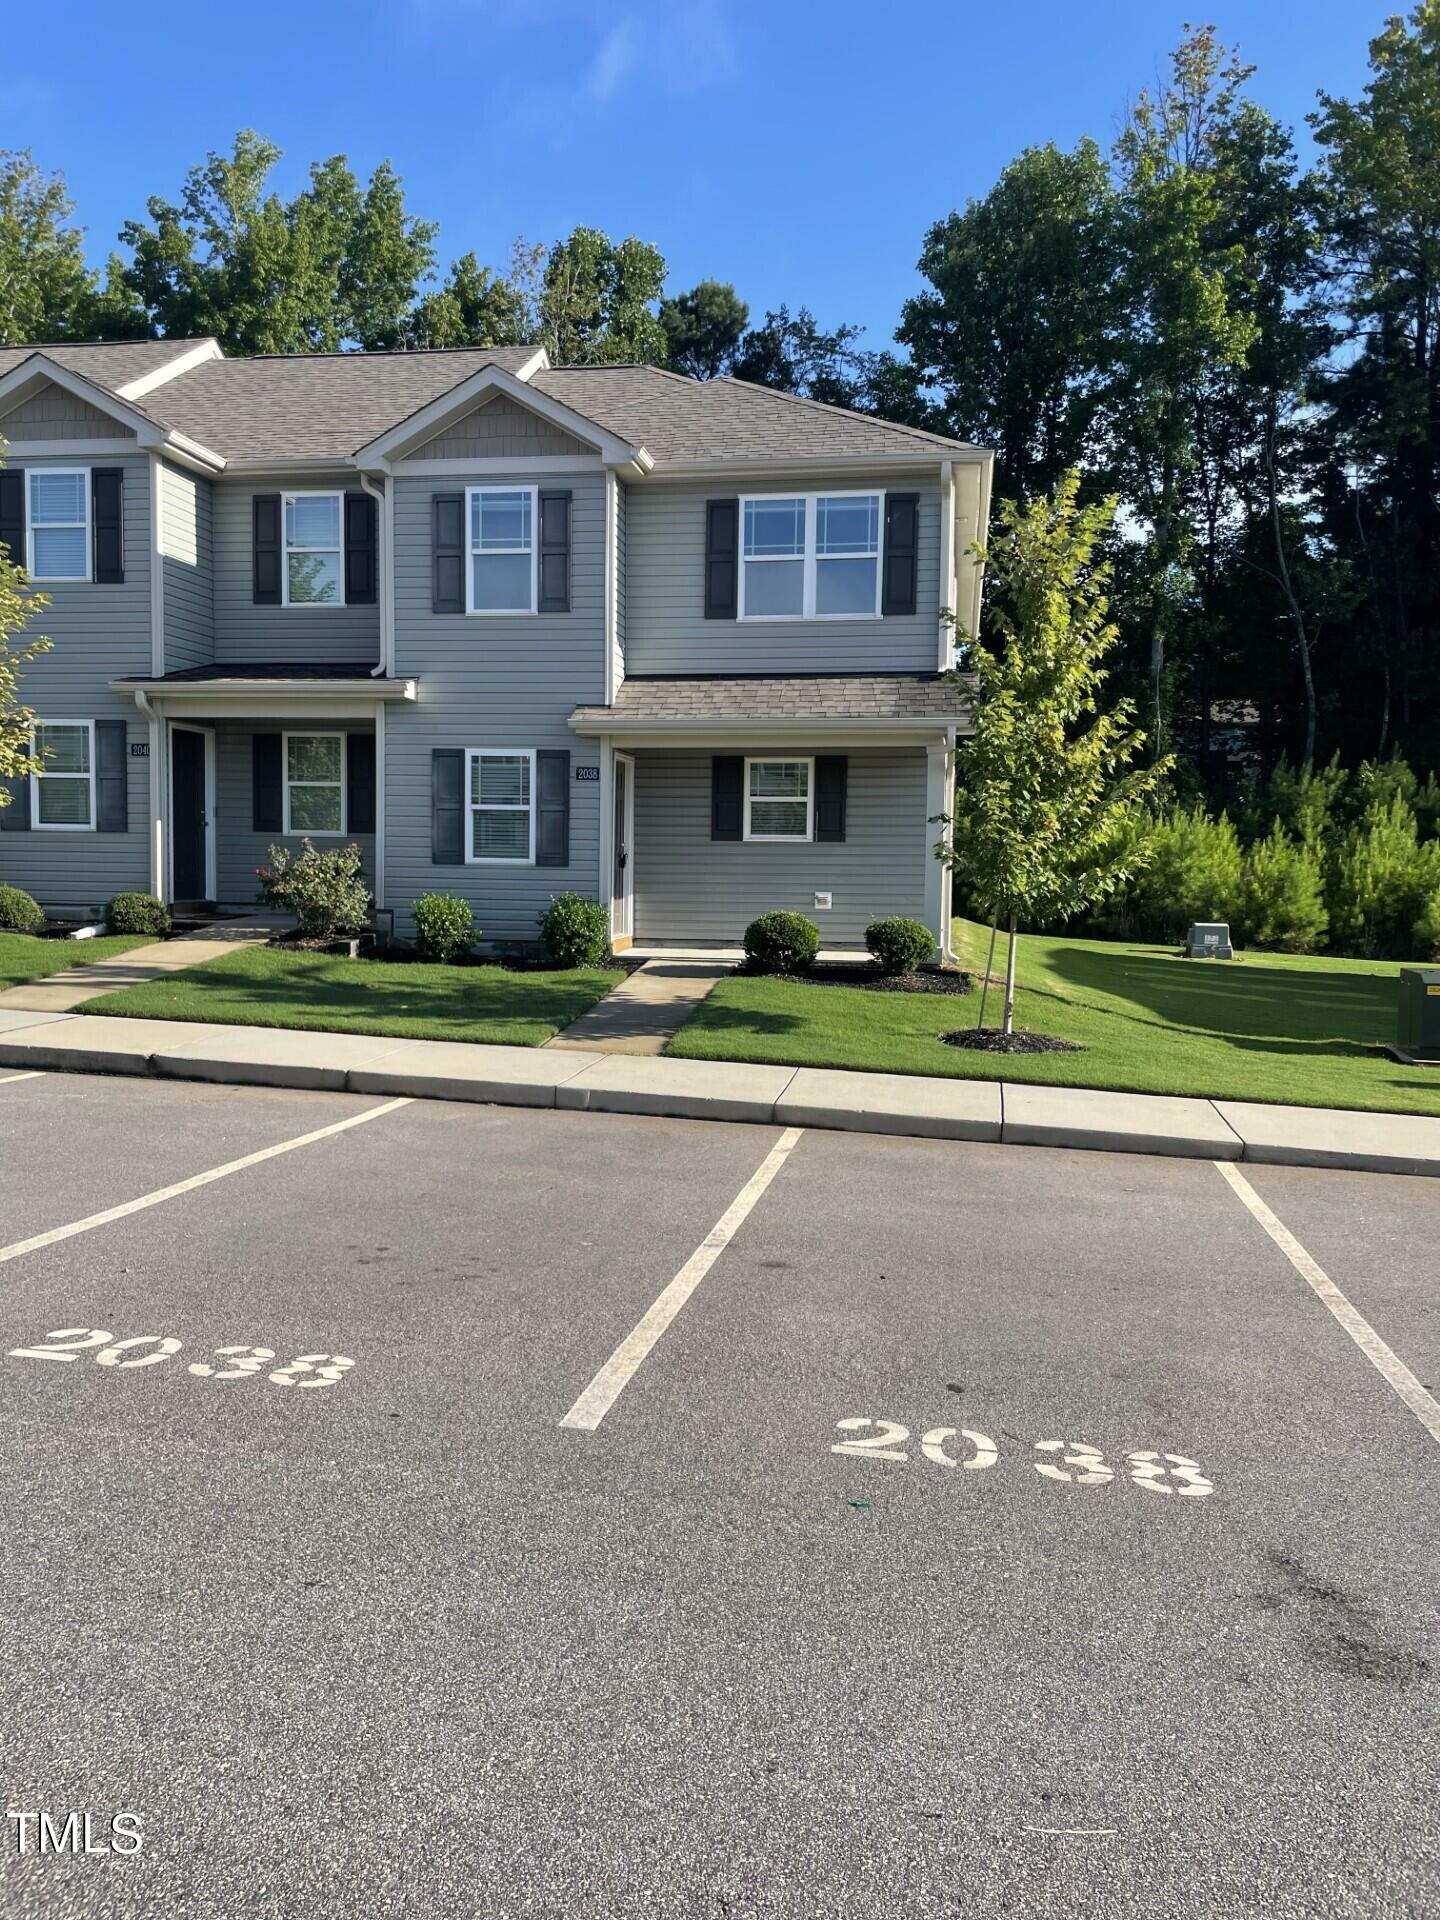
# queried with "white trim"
point(61, 826)
point(313, 833)
point(472, 754)
point(607, 828)
point(497, 463)
point(622, 923)
point(157, 568)
point(259, 692)
point(311, 493)
point(59, 579)
point(787, 760)
point(427, 421)
point(92, 452)
point(612, 581)
point(937, 760)
point(471, 552)
point(207, 734)
point(379, 852)
point(539, 362)
point(945, 654)
point(810, 463)
point(197, 355)
point(31, 374)
point(810, 557)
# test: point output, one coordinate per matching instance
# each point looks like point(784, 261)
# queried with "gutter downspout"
point(157, 792)
point(386, 581)
point(948, 580)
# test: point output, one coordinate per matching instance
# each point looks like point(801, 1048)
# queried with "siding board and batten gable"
point(55, 414)
point(501, 429)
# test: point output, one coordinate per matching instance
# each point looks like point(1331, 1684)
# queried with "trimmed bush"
point(324, 891)
point(445, 927)
point(781, 942)
point(1283, 903)
point(899, 946)
point(575, 931)
point(137, 913)
point(18, 912)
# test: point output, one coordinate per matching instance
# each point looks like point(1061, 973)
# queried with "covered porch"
point(243, 759)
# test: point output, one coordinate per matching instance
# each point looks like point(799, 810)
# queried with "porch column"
point(379, 803)
point(606, 875)
point(938, 785)
point(156, 768)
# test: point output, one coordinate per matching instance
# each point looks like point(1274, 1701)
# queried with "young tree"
point(1045, 786)
point(18, 606)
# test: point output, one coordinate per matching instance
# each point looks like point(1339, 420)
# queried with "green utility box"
point(1418, 1032)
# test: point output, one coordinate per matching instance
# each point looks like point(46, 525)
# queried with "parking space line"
point(9, 1079)
point(127, 1207)
point(1422, 1404)
point(610, 1382)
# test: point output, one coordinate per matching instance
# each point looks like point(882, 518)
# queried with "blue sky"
point(798, 150)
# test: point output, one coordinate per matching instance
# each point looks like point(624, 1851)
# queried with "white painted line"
point(1422, 1404)
point(9, 1079)
point(610, 1382)
point(196, 1180)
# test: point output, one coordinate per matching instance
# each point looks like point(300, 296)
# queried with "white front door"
point(622, 884)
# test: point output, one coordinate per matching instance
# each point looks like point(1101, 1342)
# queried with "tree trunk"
point(989, 964)
point(1010, 982)
point(1302, 637)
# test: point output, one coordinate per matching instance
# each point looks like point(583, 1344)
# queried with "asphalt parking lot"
point(559, 1599)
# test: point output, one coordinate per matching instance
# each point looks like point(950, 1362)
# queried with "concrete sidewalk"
point(71, 988)
point(556, 1076)
point(641, 1014)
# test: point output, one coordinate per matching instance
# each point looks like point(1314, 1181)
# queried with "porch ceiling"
point(344, 690)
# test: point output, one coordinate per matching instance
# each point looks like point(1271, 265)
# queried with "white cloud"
point(619, 55)
point(681, 50)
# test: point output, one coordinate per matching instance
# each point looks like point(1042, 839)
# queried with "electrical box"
point(822, 902)
point(1418, 1026)
point(1209, 940)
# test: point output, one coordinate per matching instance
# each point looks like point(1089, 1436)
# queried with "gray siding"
point(501, 429)
point(239, 850)
point(99, 633)
point(689, 887)
point(244, 631)
point(666, 630)
point(186, 537)
point(620, 609)
point(492, 682)
point(55, 414)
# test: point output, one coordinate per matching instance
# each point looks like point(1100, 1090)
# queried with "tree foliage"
point(18, 606)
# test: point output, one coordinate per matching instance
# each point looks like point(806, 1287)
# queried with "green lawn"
point(1266, 1026)
point(268, 987)
point(23, 957)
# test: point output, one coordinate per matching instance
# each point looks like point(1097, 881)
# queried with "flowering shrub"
point(324, 891)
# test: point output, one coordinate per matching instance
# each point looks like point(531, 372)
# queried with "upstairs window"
point(501, 813)
point(778, 799)
point(811, 557)
point(501, 572)
point(62, 793)
point(314, 571)
point(58, 523)
point(315, 783)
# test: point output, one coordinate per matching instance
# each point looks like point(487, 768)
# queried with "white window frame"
point(472, 754)
point(810, 557)
point(783, 760)
point(310, 493)
point(52, 473)
point(470, 550)
point(60, 826)
point(314, 833)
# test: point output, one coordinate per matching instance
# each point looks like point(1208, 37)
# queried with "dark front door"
point(187, 813)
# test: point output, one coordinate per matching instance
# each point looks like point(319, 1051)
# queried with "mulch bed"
point(996, 1040)
point(925, 980)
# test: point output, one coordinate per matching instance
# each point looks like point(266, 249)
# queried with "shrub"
point(444, 926)
point(137, 913)
point(324, 891)
point(899, 946)
point(781, 943)
point(18, 912)
point(1195, 872)
point(1381, 881)
point(1283, 898)
point(575, 931)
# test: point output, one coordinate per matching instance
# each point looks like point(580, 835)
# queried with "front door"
point(623, 881)
point(188, 824)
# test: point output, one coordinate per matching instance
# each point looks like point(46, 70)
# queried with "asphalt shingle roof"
point(109, 363)
point(851, 696)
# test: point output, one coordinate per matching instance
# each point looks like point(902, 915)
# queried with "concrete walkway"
point(647, 1007)
point(61, 992)
point(36, 1039)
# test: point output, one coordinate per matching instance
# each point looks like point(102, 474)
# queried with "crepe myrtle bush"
point(445, 928)
point(137, 913)
point(324, 891)
point(899, 946)
point(18, 912)
point(574, 931)
point(781, 942)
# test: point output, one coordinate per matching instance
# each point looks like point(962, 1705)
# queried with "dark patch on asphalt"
point(1339, 1634)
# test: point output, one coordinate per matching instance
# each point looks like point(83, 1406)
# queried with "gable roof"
point(109, 363)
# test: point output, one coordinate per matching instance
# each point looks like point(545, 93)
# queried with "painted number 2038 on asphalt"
point(66, 1344)
point(1074, 1461)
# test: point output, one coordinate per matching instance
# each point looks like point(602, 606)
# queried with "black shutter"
point(902, 529)
point(12, 517)
point(267, 784)
point(727, 797)
point(722, 559)
point(554, 553)
point(830, 781)
point(359, 550)
point(447, 806)
point(106, 526)
point(447, 520)
point(111, 811)
point(360, 783)
point(16, 817)
point(552, 809)
point(265, 591)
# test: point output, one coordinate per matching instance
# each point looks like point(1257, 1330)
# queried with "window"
point(811, 556)
point(501, 813)
point(314, 573)
point(501, 576)
point(315, 783)
point(778, 802)
point(62, 793)
point(59, 523)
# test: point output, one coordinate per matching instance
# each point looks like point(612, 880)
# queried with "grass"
point(1270, 1027)
point(24, 958)
point(269, 987)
